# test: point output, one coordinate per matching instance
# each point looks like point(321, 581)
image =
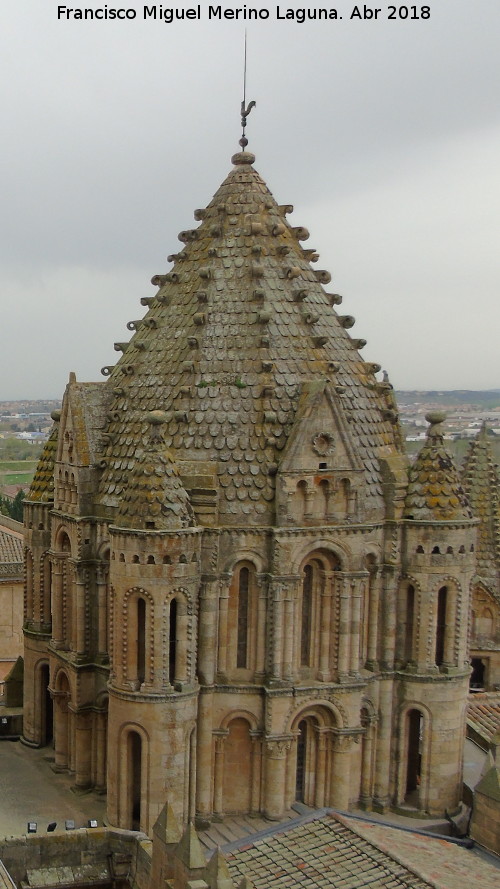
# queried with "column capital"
point(278, 746)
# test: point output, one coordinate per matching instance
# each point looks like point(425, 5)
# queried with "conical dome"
point(153, 496)
point(237, 328)
point(435, 492)
point(481, 482)
point(42, 486)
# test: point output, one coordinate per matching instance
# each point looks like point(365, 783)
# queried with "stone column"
point(372, 618)
point(288, 634)
point(57, 605)
point(389, 617)
point(220, 737)
point(326, 626)
point(343, 633)
point(192, 776)
point(207, 631)
point(100, 778)
point(260, 648)
point(256, 772)
point(322, 738)
point(365, 795)
point(61, 717)
point(82, 750)
point(341, 771)
point(276, 642)
point(102, 605)
point(381, 797)
point(223, 626)
point(275, 776)
point(79, 617)
point(204, 755)
point(355, 625)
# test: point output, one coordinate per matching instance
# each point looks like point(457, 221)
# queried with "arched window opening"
point(441, 625)
point(324, 487)
point(410, 618)
point(462, 549)
point(414, 726)
point(306, 624)
point(300, 500)
point(420, 549)
point(64, 543)
point(243, 594)
point(241, 627)
point(368, 614)
point(311, 755)
point(151, 560)
point(141, 640)
point(172, 642)
point(301, 762)
point(449, 551)
point(484, 624)
point(121, 557)
point(346, 495)
point(135, 560)
point(436, 551)
point(167, 560)
point(134, 779)
point(476, 681)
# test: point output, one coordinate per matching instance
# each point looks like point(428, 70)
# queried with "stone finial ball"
point(243, 157)
point(56, 416)
point(434, 417)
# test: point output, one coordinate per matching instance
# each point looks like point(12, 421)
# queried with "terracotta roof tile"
point(331, 850)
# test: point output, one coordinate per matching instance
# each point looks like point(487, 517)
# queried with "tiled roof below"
point(329, 850)
point(483, 713)
point(11, 547)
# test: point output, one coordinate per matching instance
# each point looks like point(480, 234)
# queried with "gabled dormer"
point(320, 476)
point(78, 446)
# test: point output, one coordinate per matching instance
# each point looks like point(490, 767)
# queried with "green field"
point(17, 466)
point(15, 478)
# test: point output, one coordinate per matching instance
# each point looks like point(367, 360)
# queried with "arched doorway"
point(134, 757)
point(237, 785)
point(476, 681)
point(46, 707)
point(313, 765)
point(414, 729)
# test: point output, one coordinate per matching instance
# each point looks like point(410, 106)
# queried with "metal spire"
point(245, 109)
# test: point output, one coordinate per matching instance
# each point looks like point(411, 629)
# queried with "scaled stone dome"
point(237, 327)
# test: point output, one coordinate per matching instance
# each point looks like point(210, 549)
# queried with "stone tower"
point(221, 540)
point(482, 484)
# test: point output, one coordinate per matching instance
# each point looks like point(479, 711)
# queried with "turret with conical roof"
point(482, 483)
point(435, 491)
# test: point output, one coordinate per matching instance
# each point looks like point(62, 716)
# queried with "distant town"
point(25, 426)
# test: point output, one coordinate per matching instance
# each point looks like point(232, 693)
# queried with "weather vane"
point(245, 109)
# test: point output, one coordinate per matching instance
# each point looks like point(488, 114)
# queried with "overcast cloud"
point(385, 135)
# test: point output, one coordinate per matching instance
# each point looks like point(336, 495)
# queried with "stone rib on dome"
point(435, 492)
point(236, 328)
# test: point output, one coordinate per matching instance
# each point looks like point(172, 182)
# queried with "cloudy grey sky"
point(385, 135)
